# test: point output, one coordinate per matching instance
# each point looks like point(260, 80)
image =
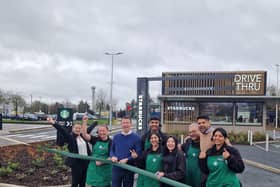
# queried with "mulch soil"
point(29, 166)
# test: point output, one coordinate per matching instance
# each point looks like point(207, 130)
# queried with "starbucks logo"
point(215, 163)
point(154, 159)
point(64, 114)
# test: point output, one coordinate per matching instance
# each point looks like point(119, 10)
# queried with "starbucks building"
point(233, 100)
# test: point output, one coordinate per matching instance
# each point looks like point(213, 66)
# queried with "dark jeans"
point(79, 173)
point(122, 177)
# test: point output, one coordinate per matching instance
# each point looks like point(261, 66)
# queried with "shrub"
point(4, 171)
point(39, 162)
point(258, 137)
point(13, 166)
point(237, 138)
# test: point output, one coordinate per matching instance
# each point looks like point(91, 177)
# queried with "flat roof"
point(228, 98)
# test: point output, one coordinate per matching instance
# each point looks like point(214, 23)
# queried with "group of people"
point(206, 158)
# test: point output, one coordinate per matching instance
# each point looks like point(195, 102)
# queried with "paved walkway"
point(10, 127)
point(256, 154)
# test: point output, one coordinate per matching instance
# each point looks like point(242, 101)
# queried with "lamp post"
point(111, 86)
point(277, 94)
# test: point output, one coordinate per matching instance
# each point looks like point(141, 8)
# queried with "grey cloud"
point(59, 46)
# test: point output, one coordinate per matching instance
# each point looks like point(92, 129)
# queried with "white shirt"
point(125, 134)
point(82, 146)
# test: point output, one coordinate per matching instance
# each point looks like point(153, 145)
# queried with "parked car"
point(29, 116)
point(54, 116)
point(79, 116)
point(41, 116)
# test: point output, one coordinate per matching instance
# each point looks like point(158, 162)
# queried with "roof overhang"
point(212, 98)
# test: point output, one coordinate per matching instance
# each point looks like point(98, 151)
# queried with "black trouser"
point(79, 173)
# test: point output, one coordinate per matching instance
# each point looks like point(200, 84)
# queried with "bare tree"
point(17, 102)
point(101, 100)
point(271, 90)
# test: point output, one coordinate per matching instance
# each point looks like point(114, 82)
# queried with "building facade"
point(233, 100)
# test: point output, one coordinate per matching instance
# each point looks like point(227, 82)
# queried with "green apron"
point(147, 144)
point(219, 173)
point(193, 173)
point(140, 180)
point(153, 164)
point(99, 175)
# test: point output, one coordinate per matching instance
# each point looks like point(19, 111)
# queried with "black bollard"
point(1, 127)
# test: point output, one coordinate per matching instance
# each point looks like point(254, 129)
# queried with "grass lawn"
point(23, 121)
point(100, 121)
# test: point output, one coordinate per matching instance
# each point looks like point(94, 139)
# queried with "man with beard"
point(206, 130)
point(154, 126)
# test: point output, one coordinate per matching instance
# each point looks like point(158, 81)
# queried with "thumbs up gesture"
point(226, 154)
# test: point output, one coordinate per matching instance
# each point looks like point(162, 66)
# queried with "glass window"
point(249, 114)
point(219, 113)
point(179, 112)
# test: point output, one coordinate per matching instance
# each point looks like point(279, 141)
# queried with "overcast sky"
point(55, 49)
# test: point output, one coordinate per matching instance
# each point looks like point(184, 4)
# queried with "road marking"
point(24, 136)
point(12, 135)
point(43, 133)
point(51, 137)
point(262, 166)
point(40, 136)
point(12, 140)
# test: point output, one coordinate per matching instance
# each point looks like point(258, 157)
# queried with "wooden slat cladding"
point(180, 113)
point(215, 83)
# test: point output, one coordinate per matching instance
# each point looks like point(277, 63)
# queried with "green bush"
point(4, 171)
point(237, 138)
point(258, 137)
point(39, 162)
point(13, 166)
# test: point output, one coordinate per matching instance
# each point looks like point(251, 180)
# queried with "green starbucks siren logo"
point(64, 114)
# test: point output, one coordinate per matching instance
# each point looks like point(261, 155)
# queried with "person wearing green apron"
point(221, 162)
point(154, 126)
point(174, 162)
point(150, 160)
point(191, 148)
point(98, 173)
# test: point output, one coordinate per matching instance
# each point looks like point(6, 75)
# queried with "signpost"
point(1, 127)
point(64, 115)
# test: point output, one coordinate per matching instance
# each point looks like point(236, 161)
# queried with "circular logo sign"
point(64, 114)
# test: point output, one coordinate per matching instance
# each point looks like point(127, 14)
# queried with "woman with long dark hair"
point(221, 162)
point(174, 162)
point(150, 160)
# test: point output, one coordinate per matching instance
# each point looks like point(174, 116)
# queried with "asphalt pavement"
point(259, 171)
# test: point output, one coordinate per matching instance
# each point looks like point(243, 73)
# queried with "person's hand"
point(133, 153)
point(159, 175)
point(114, 159)
point(50, 120)
point(202, 155)
point(85, 119)
point(98, 163)
point(226, 154)
point(123, 161)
